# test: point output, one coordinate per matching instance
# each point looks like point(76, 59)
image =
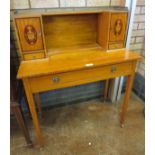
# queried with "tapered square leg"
point(106, 86)
point(31, 104)
point(21, 121)
point(126, 99)
point(38, 103)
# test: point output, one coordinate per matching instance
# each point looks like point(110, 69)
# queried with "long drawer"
point(49, 82)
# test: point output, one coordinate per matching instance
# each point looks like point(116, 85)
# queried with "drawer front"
point(118, 27)
point(115, 45)
point(49, 82)
point(34, 56)
point(30, 33)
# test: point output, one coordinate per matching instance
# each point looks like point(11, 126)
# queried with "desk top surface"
point(70, 61)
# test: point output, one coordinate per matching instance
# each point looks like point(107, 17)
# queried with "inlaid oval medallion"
point(30, 34)
point(118, 27)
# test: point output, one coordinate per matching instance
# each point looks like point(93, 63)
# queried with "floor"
point(88, 128)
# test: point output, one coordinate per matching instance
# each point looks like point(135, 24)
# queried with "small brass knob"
point(55, 79)
point(113, 69)
point(39, 33)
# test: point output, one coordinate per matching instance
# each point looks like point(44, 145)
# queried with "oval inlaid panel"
point(118, 27)
point(30, 34)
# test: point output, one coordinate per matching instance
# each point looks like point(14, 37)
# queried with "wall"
point(138, 34)
point(77, 93)
point(31, 4)
point(137, 44)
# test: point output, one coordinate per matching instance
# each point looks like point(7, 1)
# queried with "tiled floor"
point(88, 128)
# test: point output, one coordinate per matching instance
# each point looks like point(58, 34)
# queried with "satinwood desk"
point(75, 68)
point(65, 49)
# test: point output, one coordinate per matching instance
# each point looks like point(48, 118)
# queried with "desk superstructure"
point(61, 50)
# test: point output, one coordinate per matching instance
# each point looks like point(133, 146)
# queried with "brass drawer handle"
point(55, 79)
point(34, 57)
point(113, 69)
point(39, 33)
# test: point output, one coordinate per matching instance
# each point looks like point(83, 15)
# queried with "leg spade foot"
point(122, 125)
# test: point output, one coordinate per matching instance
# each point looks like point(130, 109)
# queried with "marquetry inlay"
point(30, 34)
point(118, 27)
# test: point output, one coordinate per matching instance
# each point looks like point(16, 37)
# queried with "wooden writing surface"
point(73, 61)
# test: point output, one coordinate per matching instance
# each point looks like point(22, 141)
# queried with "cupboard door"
point(30, 34)
point(118, 27)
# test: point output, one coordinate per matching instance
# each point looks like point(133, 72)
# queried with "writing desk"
point(74, 68)
point(65, 49)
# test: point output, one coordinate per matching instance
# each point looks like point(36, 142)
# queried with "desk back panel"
point(69, 30)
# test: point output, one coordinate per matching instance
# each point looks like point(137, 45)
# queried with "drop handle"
point(34, 57)
point(113, 69)
point(55, 79)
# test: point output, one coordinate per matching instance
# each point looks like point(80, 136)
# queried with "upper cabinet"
point(30, 36)
point(112, 29)
point(53, 33)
